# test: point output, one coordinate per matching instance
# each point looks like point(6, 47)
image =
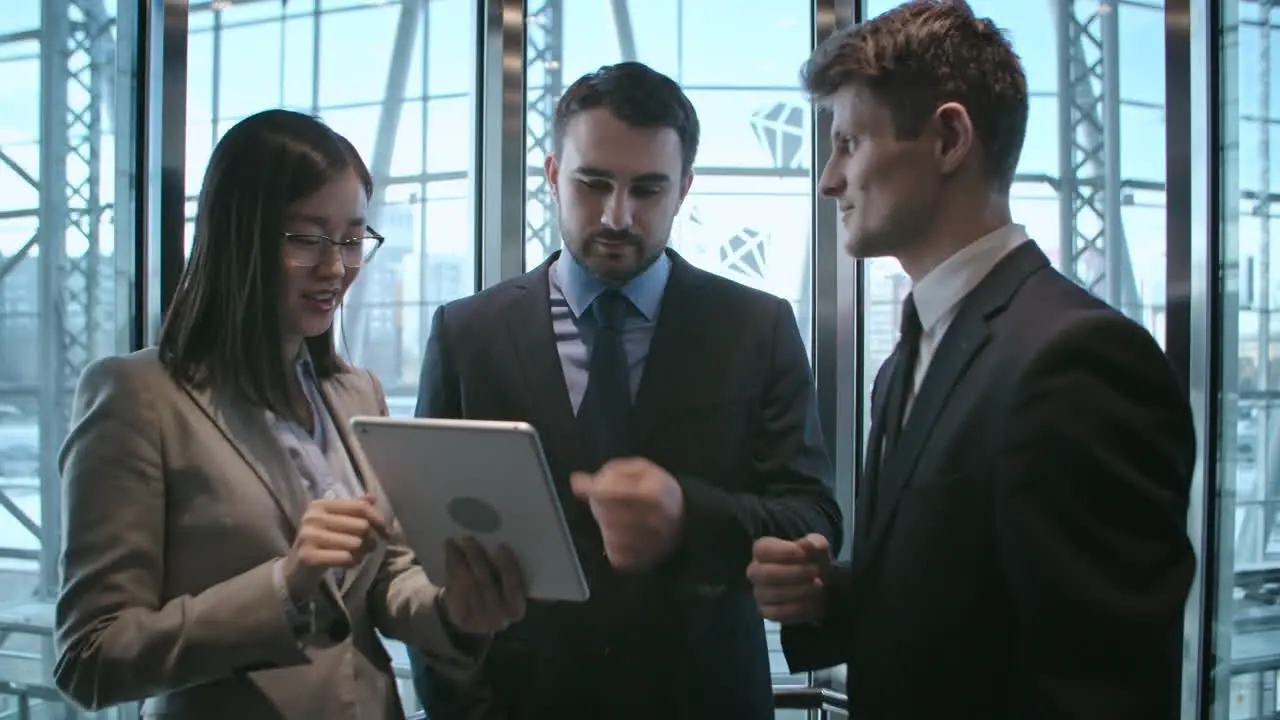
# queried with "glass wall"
point(67, 257)
point(1246, 639)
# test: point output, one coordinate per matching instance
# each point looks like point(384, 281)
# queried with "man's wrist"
point(463, 640)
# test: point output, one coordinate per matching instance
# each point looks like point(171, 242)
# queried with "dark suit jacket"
point(1028, 557)
point(726, 405)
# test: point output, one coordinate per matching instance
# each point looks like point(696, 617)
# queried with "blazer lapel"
point(548, 406)
point(968, 334)
point(533, 338)
point(871, 469)
point(245, 428)
point(678, 332)
point(338, 399)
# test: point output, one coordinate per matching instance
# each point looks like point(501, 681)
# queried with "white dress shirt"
point(938, 294)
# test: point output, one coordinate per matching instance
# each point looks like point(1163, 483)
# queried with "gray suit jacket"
point(177, 501)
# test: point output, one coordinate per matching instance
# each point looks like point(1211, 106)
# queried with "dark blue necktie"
point(603, 419)
point(606, 404)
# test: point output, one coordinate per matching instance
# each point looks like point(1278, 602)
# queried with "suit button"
point(339, 630)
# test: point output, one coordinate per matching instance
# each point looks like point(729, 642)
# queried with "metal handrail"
point(809, 698)
point(784, 698)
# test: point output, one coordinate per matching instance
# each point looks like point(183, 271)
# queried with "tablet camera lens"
point(474, 515)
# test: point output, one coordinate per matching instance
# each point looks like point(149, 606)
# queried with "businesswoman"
point(228, 553)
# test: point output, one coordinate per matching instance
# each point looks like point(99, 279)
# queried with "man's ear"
point(685, 183)
point(551, 166)
point(955, 136)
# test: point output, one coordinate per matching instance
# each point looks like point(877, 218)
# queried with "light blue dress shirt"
point(573, 289)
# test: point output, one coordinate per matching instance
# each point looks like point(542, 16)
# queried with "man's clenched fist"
point(788, 577)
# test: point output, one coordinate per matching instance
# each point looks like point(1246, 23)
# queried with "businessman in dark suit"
point(676, 409)
point(1020, 550)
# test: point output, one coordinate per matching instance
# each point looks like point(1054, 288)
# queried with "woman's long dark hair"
point(224, 324)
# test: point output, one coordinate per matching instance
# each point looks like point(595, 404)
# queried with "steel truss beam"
point(77, 54)
point(543, 58)
point(1094, 252)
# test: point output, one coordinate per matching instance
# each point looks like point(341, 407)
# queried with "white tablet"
point(487, 479)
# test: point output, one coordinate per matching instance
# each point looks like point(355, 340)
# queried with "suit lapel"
point(245, 428)
point(866, 490)
point(337, 399)
point(967, 335)
point(678, 332)
point(533, 336)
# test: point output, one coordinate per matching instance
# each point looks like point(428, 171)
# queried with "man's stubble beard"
point(647, 256)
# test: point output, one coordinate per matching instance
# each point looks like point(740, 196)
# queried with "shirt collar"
point(303, 365)
point(580, 288)
point(946, 285)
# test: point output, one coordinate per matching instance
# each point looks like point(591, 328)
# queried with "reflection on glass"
point(66, 283)
point(406, 101)
point(747, 216)
point(1247, 631)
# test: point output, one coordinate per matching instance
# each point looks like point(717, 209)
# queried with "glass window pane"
point(355, 53)
point(748, 214)
point(423, 203)
point(249, 54)
point(66, 290)
point(1246, 638)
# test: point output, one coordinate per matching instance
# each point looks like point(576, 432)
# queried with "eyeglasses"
point(306, 249)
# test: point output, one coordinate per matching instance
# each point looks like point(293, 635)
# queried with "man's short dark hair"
point(922, 54)
point(637, 95)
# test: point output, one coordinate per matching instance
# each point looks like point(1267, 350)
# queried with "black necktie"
point(606, 403)
point(897, 390)
point(903, 376)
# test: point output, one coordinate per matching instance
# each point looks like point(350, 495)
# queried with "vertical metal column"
point(167, 236)
point(500, 153)
point(1093, 249)
point(838, 308)
point(55, 39)
point(1192, 220)
point(72, 74)
point(544, 37)
point(1216, 312)
point(1268, 486)
point(836, 303)
point(425, 299)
